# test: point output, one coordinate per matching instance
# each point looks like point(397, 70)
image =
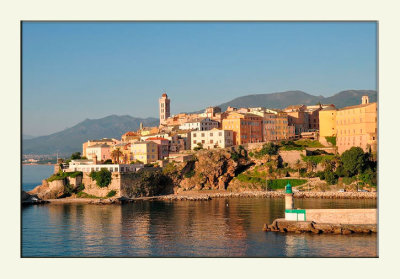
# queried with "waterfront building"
point(89, 166)
point(164, 108)
point(101, 151)
point(200, 125)
point(357, 126)
point(163, 147)
point(145, 151)
point(246, 127)
point(212, 139)
point(106, 141)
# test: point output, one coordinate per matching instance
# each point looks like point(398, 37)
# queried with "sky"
point(72, 71)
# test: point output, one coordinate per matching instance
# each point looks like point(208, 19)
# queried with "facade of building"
point(101, 151)
point(200, 125)
point(298, 117)
point(163, 147)
point(246, 127)
point(357, 126)
point(164, 108)
point(89, 166)
point(107, 141)
point(212, 139)
point(145, 151)
point(276, 127)
point(327, 124)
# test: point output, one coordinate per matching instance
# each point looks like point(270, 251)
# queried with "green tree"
point(76, 156)
point(354, 161)
point(102, 177)
point(198, 147)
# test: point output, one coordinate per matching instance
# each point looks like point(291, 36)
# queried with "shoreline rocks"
point(27, 199)
point(282, 225)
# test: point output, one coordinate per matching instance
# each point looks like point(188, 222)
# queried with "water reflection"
point(220, 227)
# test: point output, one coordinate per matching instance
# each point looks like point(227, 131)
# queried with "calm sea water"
point(216, 228)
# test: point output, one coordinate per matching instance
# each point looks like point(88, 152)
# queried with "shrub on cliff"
point(354, 161)
point(112, 193)
point(102, 177)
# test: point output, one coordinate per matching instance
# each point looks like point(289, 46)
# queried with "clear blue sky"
point(73, 71)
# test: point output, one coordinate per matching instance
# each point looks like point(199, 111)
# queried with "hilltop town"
point(316, 147)
point(178, 134)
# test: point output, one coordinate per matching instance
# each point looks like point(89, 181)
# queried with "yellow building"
point(145, 151)
point(246, 127)
point(353, 126)
point(327, 124)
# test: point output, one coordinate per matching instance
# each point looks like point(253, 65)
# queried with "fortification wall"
point(342, 216)
point(91, 187)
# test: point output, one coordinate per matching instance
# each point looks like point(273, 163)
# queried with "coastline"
point(208, 195)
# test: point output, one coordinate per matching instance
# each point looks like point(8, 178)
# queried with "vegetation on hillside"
point(102, 177)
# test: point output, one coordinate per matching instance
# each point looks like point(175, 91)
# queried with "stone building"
point(357, 126)
point(164, 108)
point(246, 127)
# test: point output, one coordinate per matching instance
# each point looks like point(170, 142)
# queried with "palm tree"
point(115, 154)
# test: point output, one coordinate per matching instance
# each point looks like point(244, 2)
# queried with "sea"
point(221, 227)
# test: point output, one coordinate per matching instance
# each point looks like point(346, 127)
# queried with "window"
point(194, 135)
point(220, 134)
point(194, 141)
point(202, 135)
point(211, 134)
point(211, 141)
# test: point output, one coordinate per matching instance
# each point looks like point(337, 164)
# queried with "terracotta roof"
point(130, 133)
point(156, 139)
point(98, 145)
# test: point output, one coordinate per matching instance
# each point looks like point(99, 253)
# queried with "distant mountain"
point(71, 139)
point(27, 137)
point(281, 100)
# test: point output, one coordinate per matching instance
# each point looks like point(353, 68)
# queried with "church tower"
point(164, 107)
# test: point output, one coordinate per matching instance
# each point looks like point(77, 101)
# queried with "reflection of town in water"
point(220, 227)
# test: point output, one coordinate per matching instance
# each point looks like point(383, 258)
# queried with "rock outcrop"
point(213, 170)
point(27, 199)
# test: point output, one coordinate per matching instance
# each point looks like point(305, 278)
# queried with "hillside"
point(283, 99)
point(71, 139)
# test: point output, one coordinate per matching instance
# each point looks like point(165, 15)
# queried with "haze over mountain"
point(71, 139)
point(113, 126)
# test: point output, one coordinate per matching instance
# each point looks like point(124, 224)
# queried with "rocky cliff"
point(212, 169)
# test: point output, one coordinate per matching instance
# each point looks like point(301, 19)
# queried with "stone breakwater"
point(263, 194)
point(282, 225)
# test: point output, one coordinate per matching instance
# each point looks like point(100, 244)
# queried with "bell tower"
point(164, 108)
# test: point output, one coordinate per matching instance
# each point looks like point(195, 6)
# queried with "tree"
point(76, 156)
point(354, 161)
point(116, 154)
point(102, 177)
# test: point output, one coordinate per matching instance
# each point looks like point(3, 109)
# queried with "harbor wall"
point(342, 216)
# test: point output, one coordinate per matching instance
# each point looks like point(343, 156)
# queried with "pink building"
point(101, 151)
